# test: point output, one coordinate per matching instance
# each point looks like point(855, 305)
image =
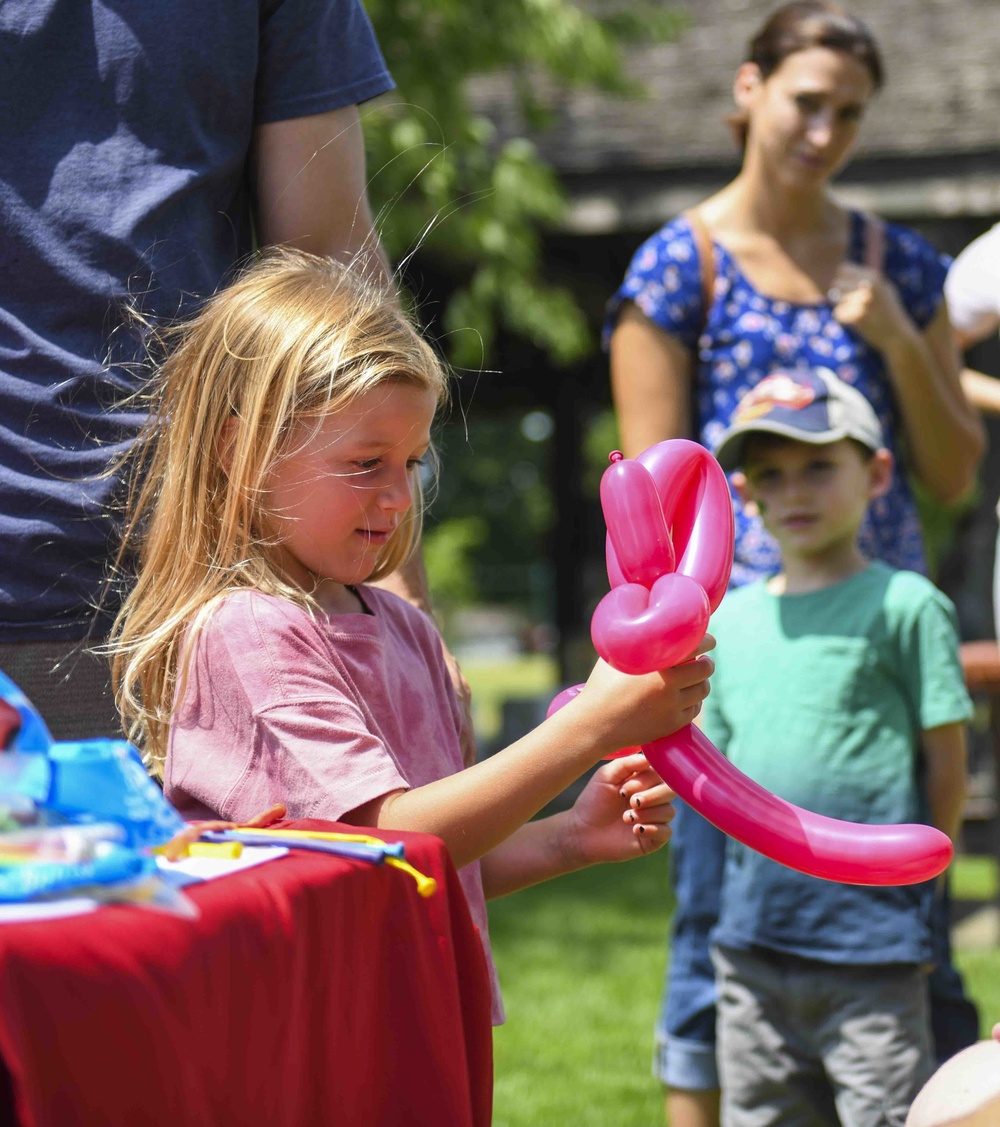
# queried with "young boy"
point(838, 687)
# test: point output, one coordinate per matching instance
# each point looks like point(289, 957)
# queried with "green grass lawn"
point(581, 960)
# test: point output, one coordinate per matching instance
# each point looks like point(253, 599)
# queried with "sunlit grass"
point(974, 878)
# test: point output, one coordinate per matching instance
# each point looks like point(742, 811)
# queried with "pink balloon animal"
point(669, 554)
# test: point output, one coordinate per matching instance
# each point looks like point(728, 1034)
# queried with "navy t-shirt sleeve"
point(917, 270)
point(664, 281)
point(316, 56)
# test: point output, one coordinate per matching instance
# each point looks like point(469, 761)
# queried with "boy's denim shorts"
point(684, 1054)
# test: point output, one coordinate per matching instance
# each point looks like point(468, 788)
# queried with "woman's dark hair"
point(803, 24)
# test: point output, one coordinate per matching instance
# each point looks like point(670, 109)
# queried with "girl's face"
point(804, 118)
point(336, 498)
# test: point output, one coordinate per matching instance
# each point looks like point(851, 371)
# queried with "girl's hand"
point(622, 710)
point(624, 811)
point(865, 300)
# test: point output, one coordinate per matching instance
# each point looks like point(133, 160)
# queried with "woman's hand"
point(624, 810)
point(627, 710)
point(865, 300)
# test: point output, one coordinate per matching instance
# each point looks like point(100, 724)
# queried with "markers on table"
point(361, 847)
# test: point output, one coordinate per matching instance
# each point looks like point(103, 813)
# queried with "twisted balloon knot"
point(615, 456)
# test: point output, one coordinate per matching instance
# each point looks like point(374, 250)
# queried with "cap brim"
point(729, 452)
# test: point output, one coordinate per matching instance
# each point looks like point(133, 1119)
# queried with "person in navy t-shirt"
point(145, 147)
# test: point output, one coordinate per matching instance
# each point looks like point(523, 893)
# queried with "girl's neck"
point(338, 598)
point(801, 575)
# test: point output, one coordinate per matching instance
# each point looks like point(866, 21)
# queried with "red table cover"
point(312, 990)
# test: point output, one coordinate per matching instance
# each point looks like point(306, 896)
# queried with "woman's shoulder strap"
point(873, 241)
point(706, 259)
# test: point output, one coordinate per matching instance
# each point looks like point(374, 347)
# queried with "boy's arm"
point(944, 751)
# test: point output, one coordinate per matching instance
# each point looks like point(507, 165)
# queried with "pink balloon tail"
point(564, 698)
point(848, 852)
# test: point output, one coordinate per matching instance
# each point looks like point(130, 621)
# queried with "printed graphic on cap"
point(779, 390)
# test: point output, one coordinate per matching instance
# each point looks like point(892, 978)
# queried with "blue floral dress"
point(747, 335)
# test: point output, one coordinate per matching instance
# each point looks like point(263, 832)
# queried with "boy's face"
point(813, 498)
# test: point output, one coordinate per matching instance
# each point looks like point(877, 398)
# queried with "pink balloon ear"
point(698, 510)
point(615, 577)
point(708, 556)
point(634, 516)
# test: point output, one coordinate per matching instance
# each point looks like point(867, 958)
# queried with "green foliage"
point(940, 522)
point(447, 557)
point(443, 181)
point(493, 681)
point(600, 437)
point(497, 511)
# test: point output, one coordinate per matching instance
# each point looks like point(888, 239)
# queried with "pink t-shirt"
point(321, 712)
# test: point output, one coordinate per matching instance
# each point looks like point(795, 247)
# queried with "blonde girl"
point(253, 662)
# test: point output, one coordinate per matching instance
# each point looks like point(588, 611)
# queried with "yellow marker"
point(220, 850)
point(426, 886)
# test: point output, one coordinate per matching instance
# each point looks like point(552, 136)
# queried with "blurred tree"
point(487, 531)
point(443, 183)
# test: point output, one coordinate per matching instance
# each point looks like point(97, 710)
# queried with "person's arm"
point(945, 436)
point(986, 325)
point(982, 391)
point(650, 382)
point(623, 812)
point(944, 750)
point(477, 809)
point(311, 188)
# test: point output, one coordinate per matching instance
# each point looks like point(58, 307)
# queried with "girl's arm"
point(478, 809)
point(650, 382)
point(624, 811)
point(945, 436)
point(944, 751)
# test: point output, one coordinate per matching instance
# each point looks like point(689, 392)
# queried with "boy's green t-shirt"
point(821, 698)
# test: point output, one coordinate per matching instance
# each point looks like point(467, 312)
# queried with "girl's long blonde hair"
point(293, 338)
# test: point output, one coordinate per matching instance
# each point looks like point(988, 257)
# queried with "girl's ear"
point(880, 474)
point(746, 85)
